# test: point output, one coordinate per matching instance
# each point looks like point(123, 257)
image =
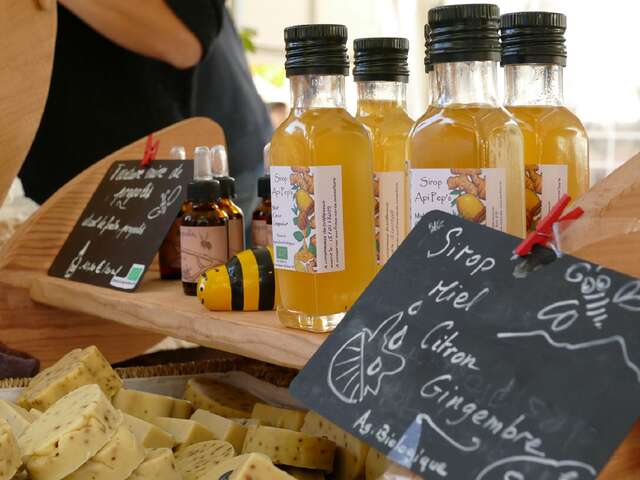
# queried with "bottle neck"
point(374, 95)
point(462, 83)
point(531, 84)
point(317, 91)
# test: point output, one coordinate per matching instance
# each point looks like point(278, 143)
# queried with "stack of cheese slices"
point(75, 421)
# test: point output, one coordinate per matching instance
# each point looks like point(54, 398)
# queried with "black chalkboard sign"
point(457, 364)
point(124, 224)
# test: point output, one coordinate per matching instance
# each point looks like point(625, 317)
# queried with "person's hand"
point(45, 4)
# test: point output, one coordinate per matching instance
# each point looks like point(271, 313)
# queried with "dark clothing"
point(103, 97)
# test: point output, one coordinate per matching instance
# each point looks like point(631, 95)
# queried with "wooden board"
point(26, 58)
point(160, 306)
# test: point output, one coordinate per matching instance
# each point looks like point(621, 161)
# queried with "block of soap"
point(75, 369)
point(304, 473)
point(69, 433)
point(115, 461)
point(278, 417)
point(148, 406)
point(158, 464)
point(219, 398)
point(198, 461)
point(351, 453)
point(376, 464)
point(247, 422)
point(148, 434)
point(10, 460)
point(286, 447)
point(222, 428)
point(185, 432)
point(17, 417)
point(257, 467)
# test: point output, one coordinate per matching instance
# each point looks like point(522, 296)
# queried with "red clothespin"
point(150, 151)
point(542, 234)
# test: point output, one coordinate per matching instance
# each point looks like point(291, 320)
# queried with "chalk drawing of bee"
point(524, 467)
point(359, 366)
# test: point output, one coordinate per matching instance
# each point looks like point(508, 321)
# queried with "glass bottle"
point(203, 229)
point(556, 148)
point(169, 253)
point(261, 220)
point(321, 189)
point(381, 72)
point(234, 213)
point(466, 152)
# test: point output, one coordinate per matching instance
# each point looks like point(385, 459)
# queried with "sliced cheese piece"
point(219, 398)
point(197, 461)
point(148, 406)
point(257, 467)
point(351, 453)
point(224, 469)
point(69, 433)
point(304, 473)
point(278, 417)
point(75, 369)
point(158, 464)
point(115, 461)
point(247, 422)
point(17, 417)
point(35, 414)
point(185, 432)
point(10, 460)
point(222, 428)
point(376, 464)
point(286, 447)
point(148, 434)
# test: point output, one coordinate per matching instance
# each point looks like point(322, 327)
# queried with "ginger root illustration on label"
point(468, 188)
point(304, 210)
point(532, 194)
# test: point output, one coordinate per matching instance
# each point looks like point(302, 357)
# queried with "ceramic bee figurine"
point(246, 282)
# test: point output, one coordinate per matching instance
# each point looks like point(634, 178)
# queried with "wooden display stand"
point(48, 316)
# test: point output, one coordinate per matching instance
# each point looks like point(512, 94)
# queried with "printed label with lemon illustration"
point(308, 230)
point(544, 185)
point(475, 194)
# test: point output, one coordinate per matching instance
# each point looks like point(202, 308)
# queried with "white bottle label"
point(478, 195)
point(307, 218)
point(390, 212)
point(545, 185)
point(202, 248)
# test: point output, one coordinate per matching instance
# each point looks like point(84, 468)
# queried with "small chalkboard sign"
point(121, 229)
point(457, 363)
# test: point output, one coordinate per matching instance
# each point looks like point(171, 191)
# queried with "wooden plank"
point(160, 306)
point(26, 58)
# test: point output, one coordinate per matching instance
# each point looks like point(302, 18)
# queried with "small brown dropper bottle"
point(261, 218)
point(220, 168)
point(169, 254)
point(204, 228)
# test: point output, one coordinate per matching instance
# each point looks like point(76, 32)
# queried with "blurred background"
point(601, 82)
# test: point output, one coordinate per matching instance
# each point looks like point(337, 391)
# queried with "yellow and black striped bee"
point(246, 282)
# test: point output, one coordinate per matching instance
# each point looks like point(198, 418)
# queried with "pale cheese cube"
point(115, 461)
point(376, 464)
point(278, 417)
point(257, 467)
point(148, 406)
point(219, 398)
point(198, 461)
point(247, 422)
point(286, 447)
point(351, 453)
point(75, 369)
point(224, 469)
point(17, 417)
point(69, 433)
point(10, 460)
point(35, 414)
point(222, 428)
point(158, 464)
point(148, 434)
point(185, 432)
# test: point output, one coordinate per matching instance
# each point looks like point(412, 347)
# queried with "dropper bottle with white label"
point(220, 168)
point(203, 231)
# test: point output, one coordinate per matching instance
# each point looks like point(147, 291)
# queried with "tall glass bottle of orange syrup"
point(321, 188)
point(381, 72)
point(465, 153)
point(556, 149)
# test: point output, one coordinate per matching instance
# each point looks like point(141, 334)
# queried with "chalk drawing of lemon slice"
point(345, 375)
